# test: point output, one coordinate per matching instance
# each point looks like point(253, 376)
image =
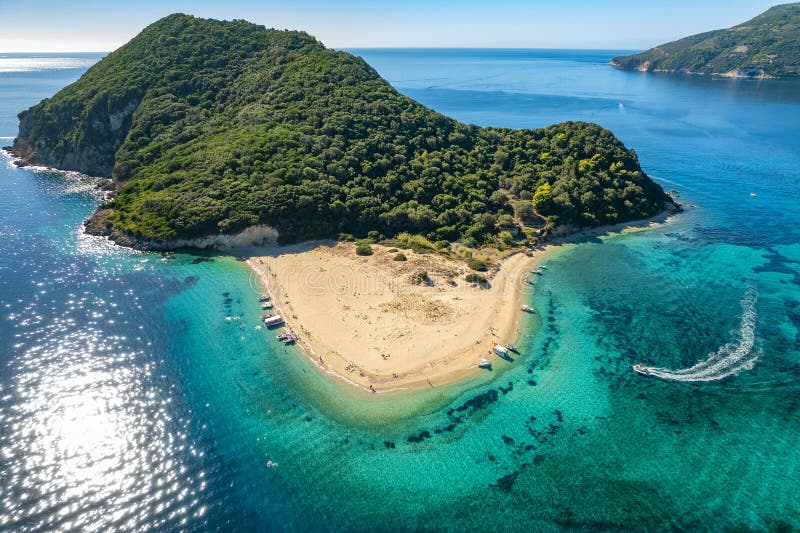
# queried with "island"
point(393, 241)
point(767, 46)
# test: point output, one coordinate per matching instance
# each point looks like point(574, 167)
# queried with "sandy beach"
point(370, 321)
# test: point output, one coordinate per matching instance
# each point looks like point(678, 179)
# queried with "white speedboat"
point(499, 349)
point(643, 370)
point(528, 309)
point(276, 320)
point(484, 363)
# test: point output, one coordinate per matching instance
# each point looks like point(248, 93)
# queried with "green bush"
point(475, 278)
point(363, 249)
point(399, 257)
point(505, 237)
point(481, 265)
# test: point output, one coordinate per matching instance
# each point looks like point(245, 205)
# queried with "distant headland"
point(767, 46)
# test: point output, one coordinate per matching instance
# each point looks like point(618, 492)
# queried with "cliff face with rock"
point(767, 46)
point(210, 127)
point(75, 135)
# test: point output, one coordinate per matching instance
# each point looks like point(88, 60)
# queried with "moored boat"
point(484, 363)
point(528, 309)
point(266, 305)
point(272, 321)
point(263, 298)
point(499, 349)
point(512, 347)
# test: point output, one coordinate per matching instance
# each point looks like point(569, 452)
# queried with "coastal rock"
point(260, 235)
point(88, 146)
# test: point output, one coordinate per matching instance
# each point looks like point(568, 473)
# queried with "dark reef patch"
point(478, 402)
point(506, 483)
point(419, 438)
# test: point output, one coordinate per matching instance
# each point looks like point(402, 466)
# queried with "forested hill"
point(767, 46)
point(209, 127)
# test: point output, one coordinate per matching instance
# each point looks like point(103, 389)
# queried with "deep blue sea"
point(136, 393)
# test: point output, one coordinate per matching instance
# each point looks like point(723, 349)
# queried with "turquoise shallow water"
point(135, 392)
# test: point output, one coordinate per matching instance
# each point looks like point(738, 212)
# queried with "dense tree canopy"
point(209, 127)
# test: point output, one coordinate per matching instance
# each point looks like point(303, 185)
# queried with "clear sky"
point(97, 25)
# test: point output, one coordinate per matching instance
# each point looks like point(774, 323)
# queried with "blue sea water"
point(136, 393)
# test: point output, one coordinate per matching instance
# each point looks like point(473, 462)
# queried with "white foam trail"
point(730, 358)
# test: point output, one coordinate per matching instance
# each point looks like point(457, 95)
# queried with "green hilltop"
point(767, 46)
point(209, 127)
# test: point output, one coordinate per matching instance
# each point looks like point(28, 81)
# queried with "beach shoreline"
point(362, 321)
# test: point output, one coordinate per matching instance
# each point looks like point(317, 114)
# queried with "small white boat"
point(753, 195)
point(512, 347)
point(266, 305)
point(643, 370)
point(276, 320)
point(528, 309)
point(263, 298)
point(271, 464)
point(484, 363)
point(499, 349)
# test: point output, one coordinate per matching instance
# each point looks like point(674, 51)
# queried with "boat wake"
point(730, 358)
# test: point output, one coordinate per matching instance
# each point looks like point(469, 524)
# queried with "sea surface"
point(136, 393)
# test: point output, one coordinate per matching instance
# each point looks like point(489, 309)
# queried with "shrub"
point(400, 257)
point(418, 243)
point(505, 237)
point(481, 265)
point(441, 245)
point(422, 277)
point(523, 209)
point(363, 249)
point(475, 278)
